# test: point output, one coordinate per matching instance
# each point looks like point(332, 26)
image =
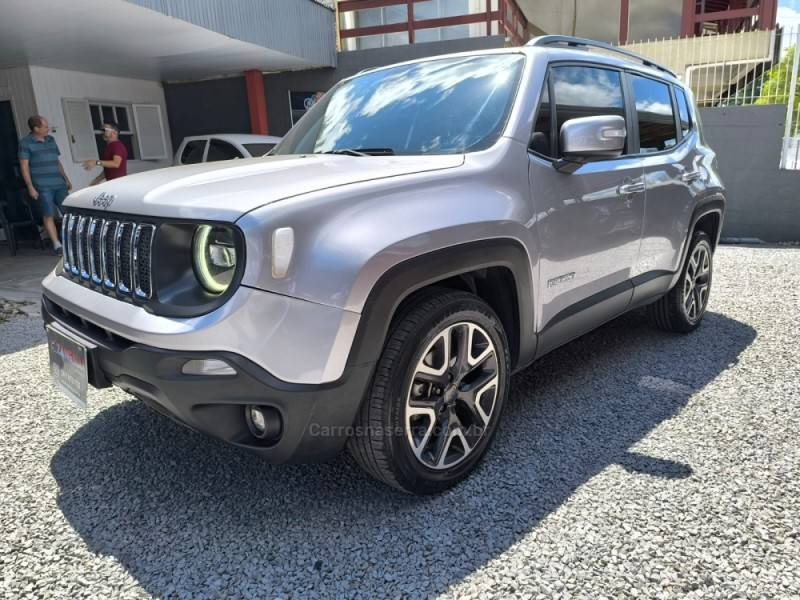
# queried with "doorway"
point(9, 164)
point(18, 220)
point(8, 161)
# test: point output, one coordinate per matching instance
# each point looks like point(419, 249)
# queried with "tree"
point(776, 83)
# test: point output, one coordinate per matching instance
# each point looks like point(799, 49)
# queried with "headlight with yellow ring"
point(214, 257)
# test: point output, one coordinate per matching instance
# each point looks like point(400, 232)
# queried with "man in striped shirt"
point(43, 173)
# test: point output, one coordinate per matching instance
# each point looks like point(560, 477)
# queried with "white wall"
point(50, 86)
point(15, 85)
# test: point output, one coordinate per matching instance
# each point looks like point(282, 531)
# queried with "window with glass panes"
point(121, 115)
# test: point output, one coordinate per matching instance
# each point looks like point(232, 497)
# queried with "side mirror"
point(587, 138)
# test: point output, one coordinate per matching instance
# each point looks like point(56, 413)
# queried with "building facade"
point(365, 24)
point(91, 61)
point(166, 69)
point(626, 21)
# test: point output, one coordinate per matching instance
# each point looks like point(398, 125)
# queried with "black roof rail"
point(575, 42)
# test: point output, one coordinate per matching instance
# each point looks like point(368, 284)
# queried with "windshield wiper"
point(362, 151)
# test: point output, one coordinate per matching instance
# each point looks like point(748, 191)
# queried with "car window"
point(542, 128)
point(258, 149)
point(440, 106)
point(219, 150)
point(193, 152)
point(578, 91)
point(683, 111)
point(654, 114)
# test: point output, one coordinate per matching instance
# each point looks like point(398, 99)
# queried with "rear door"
point(589, 222)
point(672, 168)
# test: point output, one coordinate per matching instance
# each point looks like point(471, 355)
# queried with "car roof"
point(551, 53)
point(237, 138)
point(559, 53)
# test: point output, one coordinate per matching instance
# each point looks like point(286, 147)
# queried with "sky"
point(789, 13)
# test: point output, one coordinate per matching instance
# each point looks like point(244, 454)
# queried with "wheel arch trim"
point(713, 204)
point(411, 275)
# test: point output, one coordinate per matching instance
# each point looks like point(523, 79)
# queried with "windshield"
point(445, 106)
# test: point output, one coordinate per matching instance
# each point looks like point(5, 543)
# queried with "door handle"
point(692, 176)
point(637, 187)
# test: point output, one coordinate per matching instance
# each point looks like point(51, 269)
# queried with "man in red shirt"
point(115, 156)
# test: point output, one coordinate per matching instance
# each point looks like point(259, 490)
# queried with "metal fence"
point(739, 69)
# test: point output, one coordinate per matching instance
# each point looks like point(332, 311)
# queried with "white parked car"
point(223, 146)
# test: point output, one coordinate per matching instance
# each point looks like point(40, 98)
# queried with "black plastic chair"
point(17, 213)
point(7, 229)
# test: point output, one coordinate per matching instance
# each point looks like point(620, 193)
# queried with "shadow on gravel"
point(190, 517)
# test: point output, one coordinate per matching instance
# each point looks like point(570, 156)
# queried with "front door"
point(589, 222)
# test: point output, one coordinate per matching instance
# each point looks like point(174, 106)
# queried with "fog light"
point(264, 422)
point(258, 420)
point(208, 366)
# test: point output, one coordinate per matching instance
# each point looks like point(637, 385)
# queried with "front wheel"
point(437, 394)
point(683, 307)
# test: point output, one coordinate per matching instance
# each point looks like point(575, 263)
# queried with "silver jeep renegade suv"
point(425, 231)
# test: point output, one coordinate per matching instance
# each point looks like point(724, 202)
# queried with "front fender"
point(346, 238)
point(409, 276)
point(365, 247)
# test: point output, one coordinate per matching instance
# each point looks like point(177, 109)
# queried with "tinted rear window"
point(654, 114)
point(258, 149)
point(193, 152)
point(219, 150)
point(683, 110)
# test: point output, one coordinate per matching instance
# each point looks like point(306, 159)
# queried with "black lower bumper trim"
point(315, 419)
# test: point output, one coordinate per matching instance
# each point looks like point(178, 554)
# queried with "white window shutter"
point(150, 131)
point(79, 130)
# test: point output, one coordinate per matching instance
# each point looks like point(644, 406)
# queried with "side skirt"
point(592, 312)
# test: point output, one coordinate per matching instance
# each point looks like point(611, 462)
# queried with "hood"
point(224, 191)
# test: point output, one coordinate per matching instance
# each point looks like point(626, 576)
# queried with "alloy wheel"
point(452, 395)
point(696, 282)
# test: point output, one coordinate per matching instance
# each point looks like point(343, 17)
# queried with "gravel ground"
point(9, 309)
point(630, 463)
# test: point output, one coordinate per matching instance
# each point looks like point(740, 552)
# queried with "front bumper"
point(315, 418)
point(295, 340)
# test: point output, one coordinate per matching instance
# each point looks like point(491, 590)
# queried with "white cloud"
point(650, 106)
point(789, 17)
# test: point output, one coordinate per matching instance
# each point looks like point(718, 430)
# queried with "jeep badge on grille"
point(104, 200)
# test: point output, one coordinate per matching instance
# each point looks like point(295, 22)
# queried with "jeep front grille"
point(110, 254)
point(108, 246)
point(124, 257)
point(95, 259)
point(83, 251)
point(142, 242)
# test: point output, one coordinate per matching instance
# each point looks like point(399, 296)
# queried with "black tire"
point(382, 443)
point(670, 312)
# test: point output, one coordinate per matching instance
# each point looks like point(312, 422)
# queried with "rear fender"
point(714, 203)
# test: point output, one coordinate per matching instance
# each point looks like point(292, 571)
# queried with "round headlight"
point(214, 257)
